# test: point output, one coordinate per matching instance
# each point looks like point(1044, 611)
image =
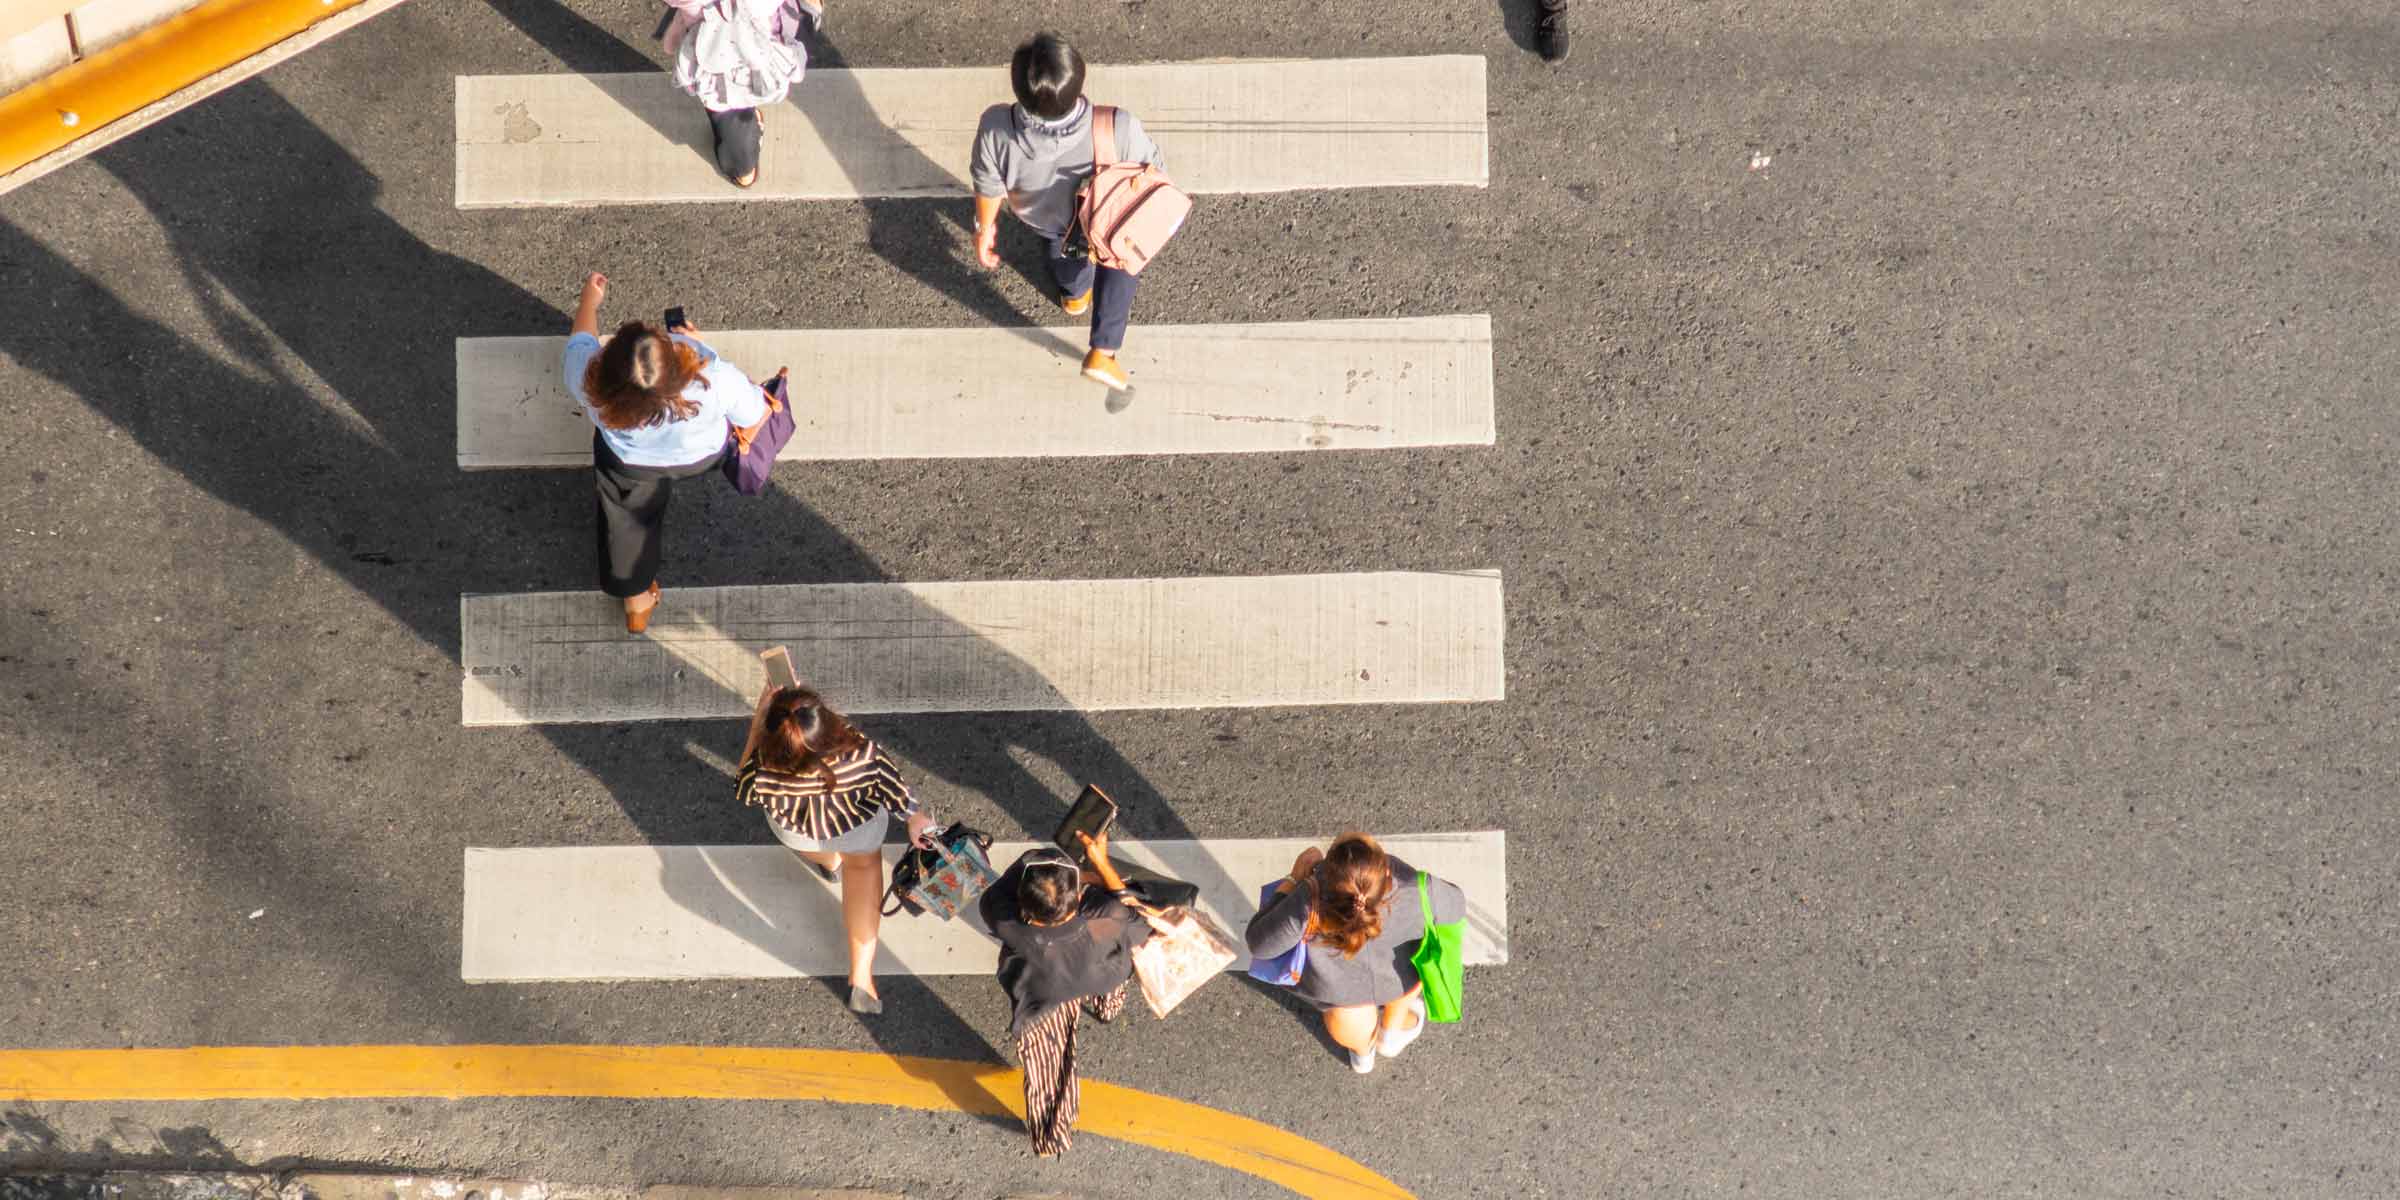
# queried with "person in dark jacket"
point(1357, 909)
point(1066, 948)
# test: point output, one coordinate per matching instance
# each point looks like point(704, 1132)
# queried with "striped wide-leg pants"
point(1052, 1092)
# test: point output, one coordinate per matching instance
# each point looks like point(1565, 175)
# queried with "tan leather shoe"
point(638, 620)
point(1101, 367)
point(1076, 306)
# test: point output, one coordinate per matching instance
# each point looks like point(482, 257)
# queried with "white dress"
point(736, 54)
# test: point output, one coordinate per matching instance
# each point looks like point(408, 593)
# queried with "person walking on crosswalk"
point(1036, 155)
point(1066, 949)
point(829, 793)
point(661, 403)
point(735, 57)
point(1356, 908)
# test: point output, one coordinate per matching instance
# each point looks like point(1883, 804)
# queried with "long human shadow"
point(252, 219)
point(588, 49)
point(254, 213)
point(930, 242)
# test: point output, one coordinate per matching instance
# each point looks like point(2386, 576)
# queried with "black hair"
point(1048, 893)
point(1048, 76)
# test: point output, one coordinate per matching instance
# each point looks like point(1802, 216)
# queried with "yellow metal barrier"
point(86, 97)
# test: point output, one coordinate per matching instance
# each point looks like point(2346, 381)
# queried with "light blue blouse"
point(730, 397)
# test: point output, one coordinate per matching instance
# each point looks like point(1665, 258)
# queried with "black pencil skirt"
point(633, 516)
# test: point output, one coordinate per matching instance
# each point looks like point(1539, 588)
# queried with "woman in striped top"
point(829, 793)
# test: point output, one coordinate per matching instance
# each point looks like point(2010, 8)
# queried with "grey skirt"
point(866, 839)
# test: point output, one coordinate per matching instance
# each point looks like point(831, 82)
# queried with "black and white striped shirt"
point(809, 805)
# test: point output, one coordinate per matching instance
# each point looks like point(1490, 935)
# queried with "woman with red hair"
point(1356, 908)
point(661, 405)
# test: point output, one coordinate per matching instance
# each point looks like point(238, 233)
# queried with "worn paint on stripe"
point(995, 392)
point(1387, 637)
point(1241, 126)
point(675, 1072)
point(558, 913)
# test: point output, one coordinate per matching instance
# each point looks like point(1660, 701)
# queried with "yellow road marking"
point(677, 1072)
point(146, 68)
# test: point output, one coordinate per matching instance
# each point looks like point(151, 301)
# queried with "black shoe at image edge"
point(1550, 33)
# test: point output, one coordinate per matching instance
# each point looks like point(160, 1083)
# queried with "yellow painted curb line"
point(144, 69)
point(677, 1072)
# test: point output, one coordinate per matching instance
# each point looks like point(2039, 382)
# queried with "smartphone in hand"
point(778, 662)
point(675, 319)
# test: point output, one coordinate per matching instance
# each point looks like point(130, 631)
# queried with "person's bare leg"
point(862, 914)
point(1401, 1015)
point(825, 859)
point(1353, 1027)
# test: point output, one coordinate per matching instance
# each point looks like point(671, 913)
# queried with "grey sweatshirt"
point(1038, 165)
point(1380, 973)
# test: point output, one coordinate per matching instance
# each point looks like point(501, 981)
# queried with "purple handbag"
point(747, 470)
point(1284, 969)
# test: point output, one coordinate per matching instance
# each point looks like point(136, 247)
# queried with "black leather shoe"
point(1550, 33)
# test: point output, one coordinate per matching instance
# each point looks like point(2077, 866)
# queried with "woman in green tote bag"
point(1362, 915)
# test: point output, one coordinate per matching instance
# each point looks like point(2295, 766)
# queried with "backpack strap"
point(1104, 137)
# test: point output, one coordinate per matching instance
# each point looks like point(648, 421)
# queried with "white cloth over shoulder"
point(733, 54)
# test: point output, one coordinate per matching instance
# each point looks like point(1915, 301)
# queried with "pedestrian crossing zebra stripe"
point(1238, 126)
point(1391, 637)
point(590, 913)
point(993, 392)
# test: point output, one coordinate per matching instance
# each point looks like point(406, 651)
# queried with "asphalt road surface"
point(1949, 744)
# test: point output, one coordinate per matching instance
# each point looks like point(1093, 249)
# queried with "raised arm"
point(758, 724)
point(1095, 850)
point(587, 309)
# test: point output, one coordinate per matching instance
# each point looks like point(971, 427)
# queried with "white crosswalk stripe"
point(1244, 126)
point(1369, 638)
point(995, 392)
point(754, 912)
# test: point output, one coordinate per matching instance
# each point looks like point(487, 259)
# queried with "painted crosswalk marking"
point(1385, 637)
point(754, 912)
point(1241, 126)
point(1013, 392)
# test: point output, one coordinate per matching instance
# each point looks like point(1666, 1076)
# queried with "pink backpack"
point(1129, 210)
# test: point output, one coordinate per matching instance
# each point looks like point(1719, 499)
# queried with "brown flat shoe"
point(639, 622)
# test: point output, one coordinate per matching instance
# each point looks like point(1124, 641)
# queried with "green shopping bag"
point(1441, 959)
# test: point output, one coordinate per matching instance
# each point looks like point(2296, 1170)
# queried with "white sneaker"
point(1394, 1041)
point(1362, 1061)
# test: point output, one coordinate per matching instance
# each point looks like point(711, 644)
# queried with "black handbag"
point(1155, 889)
point(946, 880)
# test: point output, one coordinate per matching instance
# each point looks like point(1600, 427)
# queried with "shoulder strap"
point(1425, 898)
point(1104, 136)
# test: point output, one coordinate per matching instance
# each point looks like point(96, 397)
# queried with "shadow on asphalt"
point(30, 1143)
point(1518, 17)
point(278, 234)
point(931, 241)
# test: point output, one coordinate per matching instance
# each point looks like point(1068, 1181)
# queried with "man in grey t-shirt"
point(1036, 154)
